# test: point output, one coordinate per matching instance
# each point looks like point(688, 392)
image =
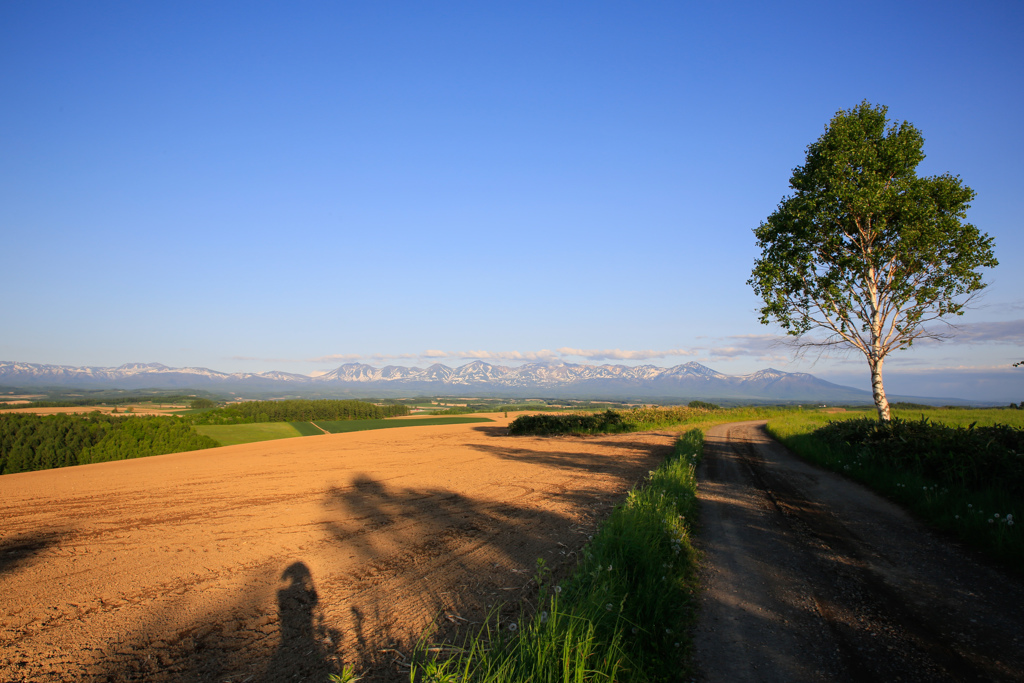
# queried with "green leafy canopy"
point(864, 248)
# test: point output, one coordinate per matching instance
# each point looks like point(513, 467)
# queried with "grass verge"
point(624, 614)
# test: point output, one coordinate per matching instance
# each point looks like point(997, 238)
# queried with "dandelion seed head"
point(558, 589)
point(513, 626)
point(990, 520)
point(1009, 522)
point(608, 607)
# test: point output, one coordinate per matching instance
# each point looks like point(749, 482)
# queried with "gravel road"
point(811, 577)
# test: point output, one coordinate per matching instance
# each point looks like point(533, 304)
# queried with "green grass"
point(936, 469)
point(954, 417)
point(343, 426)
point(230, 435)
point(624, 614)
point(307, 428)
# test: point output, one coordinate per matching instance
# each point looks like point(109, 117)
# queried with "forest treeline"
point(41, 442)
point(100, 401)
point(297, 410)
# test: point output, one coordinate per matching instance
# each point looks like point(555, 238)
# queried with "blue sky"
point(256, 186)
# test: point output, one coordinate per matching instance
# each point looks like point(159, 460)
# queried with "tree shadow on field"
point(492, 430)
point(425, 560)
point(392, 563)
point(436, 552)
point(616, 465)
point(17, 550)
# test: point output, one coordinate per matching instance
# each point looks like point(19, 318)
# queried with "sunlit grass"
point(231, 435)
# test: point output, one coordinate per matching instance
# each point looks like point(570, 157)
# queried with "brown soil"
point(284, 559)
point(811, 577)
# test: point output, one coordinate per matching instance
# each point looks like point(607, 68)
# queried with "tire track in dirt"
point(283, 559)
point(811, 577)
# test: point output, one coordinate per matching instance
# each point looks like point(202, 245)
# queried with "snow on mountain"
point(690, 380)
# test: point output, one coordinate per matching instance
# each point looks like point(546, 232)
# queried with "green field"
point(342, 426)
point(230, 435)
point(307, 428)
point(805, 420)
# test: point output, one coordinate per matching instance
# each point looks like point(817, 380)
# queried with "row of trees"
point(299, 410)
point(39, 442)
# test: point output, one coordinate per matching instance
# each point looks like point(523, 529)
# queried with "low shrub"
point(550, 424)
point(965, 457)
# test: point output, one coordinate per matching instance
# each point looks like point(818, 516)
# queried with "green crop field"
point(230, 435)
point(307, 428)
point(342, 426)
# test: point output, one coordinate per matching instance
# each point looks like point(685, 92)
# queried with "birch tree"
point(866, 251)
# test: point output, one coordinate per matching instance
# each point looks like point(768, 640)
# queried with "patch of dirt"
point(282, 560)
point(811, 577)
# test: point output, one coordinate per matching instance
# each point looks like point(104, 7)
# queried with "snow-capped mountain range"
point(688, 381)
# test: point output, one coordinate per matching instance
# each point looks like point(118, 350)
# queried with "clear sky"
point(252, 186)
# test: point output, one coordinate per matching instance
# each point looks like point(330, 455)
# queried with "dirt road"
point(810, 577)
point(280, 560)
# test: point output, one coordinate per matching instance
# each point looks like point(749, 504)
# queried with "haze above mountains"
point(684, 382)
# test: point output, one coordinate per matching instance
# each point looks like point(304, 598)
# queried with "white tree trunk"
point(878, 391)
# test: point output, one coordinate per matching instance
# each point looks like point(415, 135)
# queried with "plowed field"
point(282, 560)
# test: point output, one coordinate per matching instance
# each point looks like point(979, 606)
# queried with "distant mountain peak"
point(688, 381)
